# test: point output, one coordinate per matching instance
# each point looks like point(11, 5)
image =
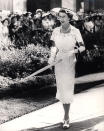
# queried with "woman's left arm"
point(79, 47)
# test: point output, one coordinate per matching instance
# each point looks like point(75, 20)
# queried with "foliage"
point(17, 63)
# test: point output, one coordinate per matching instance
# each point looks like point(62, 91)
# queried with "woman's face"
point(63, 18)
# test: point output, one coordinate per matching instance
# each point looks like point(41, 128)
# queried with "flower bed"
point(19, 63)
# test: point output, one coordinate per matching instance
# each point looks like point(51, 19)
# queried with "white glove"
point(51, 60)
point(53, 55)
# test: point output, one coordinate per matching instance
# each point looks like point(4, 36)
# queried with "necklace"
point(65, 30)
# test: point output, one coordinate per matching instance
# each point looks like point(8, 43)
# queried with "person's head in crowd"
point(102, 17)
point(37, 22)
point(45, 21)
point(39, 13)
point(95, 46)
point(28, 15)
point(50, 16)
point(13, 19)
point(18, 17)
point(5, 22)
point(45, 16)
point(53, 13)
point(86, 19)
point(89, 12)
point(98, 17)
point(24, 17)
point(74, 23)
point(32, 15)
point(19, 20)
point(92, 19)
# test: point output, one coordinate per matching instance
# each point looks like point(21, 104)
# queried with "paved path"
point(90, 78)
point(86, 105)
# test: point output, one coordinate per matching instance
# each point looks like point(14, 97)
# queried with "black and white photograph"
point(51, 65)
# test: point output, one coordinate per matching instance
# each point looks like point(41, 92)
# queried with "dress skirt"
point(65, 79)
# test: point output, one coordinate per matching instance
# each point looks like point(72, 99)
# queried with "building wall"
point(19, 5)
point(70, 4)
point(49, 4)
point(6, 5)
point(13, 5)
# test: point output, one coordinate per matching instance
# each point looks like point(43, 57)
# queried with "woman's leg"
point(66, 111)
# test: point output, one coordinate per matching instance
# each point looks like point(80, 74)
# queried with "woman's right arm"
point(53, 53)
point(54, 49)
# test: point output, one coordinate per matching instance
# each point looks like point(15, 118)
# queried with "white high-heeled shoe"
point(66, 124)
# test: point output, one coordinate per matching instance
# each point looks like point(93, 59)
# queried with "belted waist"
point(64, 51)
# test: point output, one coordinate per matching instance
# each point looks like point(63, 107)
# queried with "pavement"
point(86, 111)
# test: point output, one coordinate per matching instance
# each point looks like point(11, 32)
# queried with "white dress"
point(65, 70)
point(1, 36)
point(5, 33)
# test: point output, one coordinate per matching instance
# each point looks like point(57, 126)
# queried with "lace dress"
point(65, 70)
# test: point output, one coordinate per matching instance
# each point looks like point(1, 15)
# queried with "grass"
point(17, 100)
point(17, 104)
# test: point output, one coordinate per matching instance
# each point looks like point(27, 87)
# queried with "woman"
point(5, 34)
point(65, 38)
point(1, 36)
point(5, 29)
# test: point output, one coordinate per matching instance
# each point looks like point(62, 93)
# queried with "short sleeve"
point(78, 36)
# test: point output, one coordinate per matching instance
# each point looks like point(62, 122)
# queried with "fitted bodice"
point(65, 42)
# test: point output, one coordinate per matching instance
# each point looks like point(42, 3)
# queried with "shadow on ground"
point(77, 126)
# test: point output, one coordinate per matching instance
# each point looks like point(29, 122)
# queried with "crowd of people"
point(92, 22)
point(21, 29)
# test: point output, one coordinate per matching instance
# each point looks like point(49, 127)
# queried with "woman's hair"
point(66, 12)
